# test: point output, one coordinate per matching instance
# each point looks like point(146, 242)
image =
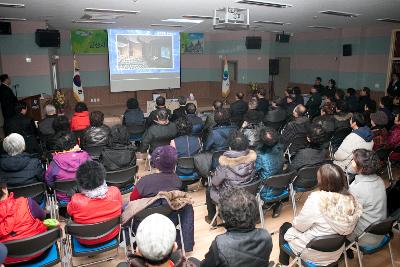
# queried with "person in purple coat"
point(66, 162)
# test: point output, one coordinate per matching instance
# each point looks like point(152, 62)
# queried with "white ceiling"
point(61, 13)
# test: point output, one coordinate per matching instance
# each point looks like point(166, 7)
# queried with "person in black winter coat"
point(365, 98)
point(238, 109)
point(314, 103)
point(60, 124)
point(276, 117)
point(17, 167)
point(181, 111)
point(326, 120)
point(243, 244)
point(119, 154)
point(218, 138)
point(97, 134)
point(20, 123)
point(296, 131)
point(330, 89)
point(318, 86)
point(263, 104)
point(196, 121)
point(160, 104)
point(46, 125)
point(352, 101)
point(253, 116)
point(7, 98)
point(133, 116)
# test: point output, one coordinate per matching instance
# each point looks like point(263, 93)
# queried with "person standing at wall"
point(8, 100)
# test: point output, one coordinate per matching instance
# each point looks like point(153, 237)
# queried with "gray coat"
point(237, 168)
point(370, 192)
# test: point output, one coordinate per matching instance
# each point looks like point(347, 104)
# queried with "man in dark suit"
point(7, 98)
point(181, 111)
point(238, 109)
point(160, 104)
point(394, 86)
point(262, 103)
point(318, 85)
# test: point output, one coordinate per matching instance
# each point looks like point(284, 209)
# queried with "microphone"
point(15, 89)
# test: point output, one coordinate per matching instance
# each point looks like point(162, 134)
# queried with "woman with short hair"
point(80, 119)
point(331, 210)
point(97, 134)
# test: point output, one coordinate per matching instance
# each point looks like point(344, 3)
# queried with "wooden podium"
point(36, 106)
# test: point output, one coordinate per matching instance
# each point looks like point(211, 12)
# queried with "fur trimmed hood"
point(234, 158)
point(341, 211)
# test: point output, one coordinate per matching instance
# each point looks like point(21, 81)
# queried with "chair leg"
point(391, 254)
point(260, 210)
point(345, 257)
point(359, 254)
point(181, 234)
point(126, 243)
point(389, 167)
point(292, 195)
point(214, 219)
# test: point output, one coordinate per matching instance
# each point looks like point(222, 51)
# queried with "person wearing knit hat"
point(163, 159)
point(379, 120)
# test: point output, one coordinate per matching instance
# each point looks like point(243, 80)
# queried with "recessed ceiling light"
point(195, 21)
point(166, 25)
point(389, 20)
point(13, 19)
point(197, 17)
point(262, 3)
point(271, 22)
point(12, 5)
point(103, 10)
point(321, 27)
point(339, 13)
point(94, 21)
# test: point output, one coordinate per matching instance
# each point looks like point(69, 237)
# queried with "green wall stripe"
point(33, 85)
point(21, 43)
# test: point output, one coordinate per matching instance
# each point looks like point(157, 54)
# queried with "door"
point(281, 81)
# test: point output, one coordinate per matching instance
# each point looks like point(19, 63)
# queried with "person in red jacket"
point(19, 218)
point(393, 139)
point(80, 119)
point(96, 201)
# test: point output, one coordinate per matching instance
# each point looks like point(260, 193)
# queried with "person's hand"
point(245, 124)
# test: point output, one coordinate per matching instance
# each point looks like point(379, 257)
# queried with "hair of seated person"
point(119, 135)
point(240, 95)
point(4, 77)
point(160, 101)
point(222, 117)
point(238, 141)
point(317, 135)
point(191, 108)
point(96, 118)
point(387, 101)
point(268, 138)
point(162, 114)
point(60, 123)
point(340, 93)
point(132, 103)
point(217, 104)
point(21, 105)
point(90, 175)
point(332, 179)
point(183, 126)
point(80, 107)
point(182, 100)
point(66, 141)
point(351, 91)
point(359, 119)
point(367, 161)
point(300, 110)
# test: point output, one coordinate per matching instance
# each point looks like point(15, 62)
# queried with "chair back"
point(33, 245)
point(163, 209)
point(136, 129)
point(299, 142)
point(94, 230)
point(186, 163)
point(65, 186)
point(383, 154)
point(340, 134)
point(329, 243)
point(30, 190)
point(252, 188)
point(94, 151)
point(381, 227)
point(280, 180)
point(121, 177)
point(307, 177)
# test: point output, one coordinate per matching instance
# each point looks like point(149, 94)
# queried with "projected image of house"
point(144, 52)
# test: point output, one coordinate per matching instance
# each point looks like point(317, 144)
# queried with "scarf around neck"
point(98, 192)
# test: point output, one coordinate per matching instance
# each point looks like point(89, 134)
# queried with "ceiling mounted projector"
point(231, 18)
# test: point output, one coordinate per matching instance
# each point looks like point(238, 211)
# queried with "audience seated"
point(163, 159)
point(352, 101)
point(330, 89)
point(22, 124)
point(326, 120)
point(97, 134)
point(243, 244)
point(217, 139)
point(270, 162)
point(393, 139)
point(298, 96)
point(236, 168)
point(296, 129)
point(252, 124)
point(339, 95)
point(365, 97)
point(160, 133)
point(238, 109)
point(96, 202)
point(119, 154)
point(368, 109)
point(133, 116)
point(19, 218)
point(181, 111)
point(67, 158)
point(318, 85)
point(380, 134)
point(185, 143)
point(80, 119)
point(160, 104)
point(253, 116)
point(331, 210)
point(196, 121)
point(360, 137)
point(46, 126)
point(386, 105)
point(277, 116)
point(156, 246)
point(210, 122)
point(342, 117)
point(60, 124)
point(262, 103)
point(313, 103)
point(369, 190)
point(18, 168)
point(315, 153)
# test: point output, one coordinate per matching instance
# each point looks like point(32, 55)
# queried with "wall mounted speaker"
point(5, 27)
point(273, 66)
point(347, 50)
point(253, 42)
point(47, 38)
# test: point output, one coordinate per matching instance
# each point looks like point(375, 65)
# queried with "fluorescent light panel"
point(389, 20)
point(12, 5)
point(166, 25)
point(271, 22)
point(197, 17)
point(339, 13)
point(321, 27)
point(94, 21)
point(195, 21)
point(13, 19)
point(103, 10)
point(266, 4)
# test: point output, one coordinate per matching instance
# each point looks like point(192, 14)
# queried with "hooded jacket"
point(118, 157)
point(218, 138)
point(133, 117)
point(237, 168)
point(63, 167)
point(21, 169)
point(80, 121)
point(323, 213)
point(359, 138)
